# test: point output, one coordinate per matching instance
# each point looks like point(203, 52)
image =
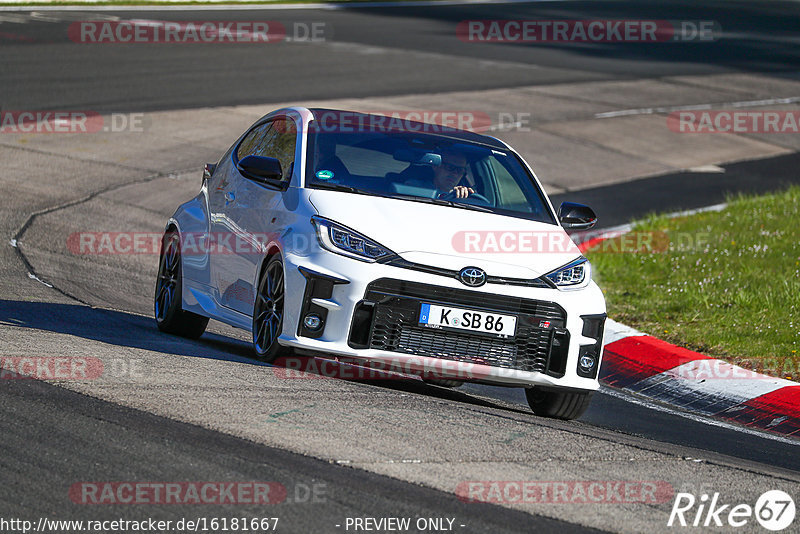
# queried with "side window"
point(252, 140)
point(279, 143)
point(274, 139)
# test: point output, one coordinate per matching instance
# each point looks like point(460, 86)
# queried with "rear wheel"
point(558, 404)
point(170, 316)
point(268, 311)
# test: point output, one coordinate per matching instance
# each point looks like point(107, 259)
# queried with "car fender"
point(191, 220)
point(270, 249)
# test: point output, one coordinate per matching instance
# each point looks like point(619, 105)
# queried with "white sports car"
point(392, 243)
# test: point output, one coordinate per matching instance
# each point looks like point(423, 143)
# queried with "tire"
point(268, 311)
point(171, 318)
point(558, 404)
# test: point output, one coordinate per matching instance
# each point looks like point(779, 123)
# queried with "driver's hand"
point(462, 191)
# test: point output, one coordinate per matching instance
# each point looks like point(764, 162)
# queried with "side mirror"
point(208, 170)
point(260, 168)
point(576, 216)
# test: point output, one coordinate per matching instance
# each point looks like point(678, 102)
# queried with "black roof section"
point(383, 123)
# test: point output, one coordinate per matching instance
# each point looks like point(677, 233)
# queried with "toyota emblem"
point(472, 276)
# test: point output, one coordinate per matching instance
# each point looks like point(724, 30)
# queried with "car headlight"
point(574, 275)
point(342, 240)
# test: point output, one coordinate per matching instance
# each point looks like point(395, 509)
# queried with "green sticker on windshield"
point(324, 175)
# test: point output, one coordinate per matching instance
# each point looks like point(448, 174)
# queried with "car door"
point(244, 210)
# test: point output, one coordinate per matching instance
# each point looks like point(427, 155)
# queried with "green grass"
point(726, 284)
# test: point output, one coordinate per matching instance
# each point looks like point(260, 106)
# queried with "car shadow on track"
point(118, 328)
point(135, 331)
point(394, 377)
point(421, 388)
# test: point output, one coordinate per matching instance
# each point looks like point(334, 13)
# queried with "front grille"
point(397, 261)
point(461, 297)
point(394, 306)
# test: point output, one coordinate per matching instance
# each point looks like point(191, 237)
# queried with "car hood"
point(449, 237)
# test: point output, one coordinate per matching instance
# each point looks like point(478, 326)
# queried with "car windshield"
point(426, 168)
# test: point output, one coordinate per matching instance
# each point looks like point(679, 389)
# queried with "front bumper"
point(370, 312)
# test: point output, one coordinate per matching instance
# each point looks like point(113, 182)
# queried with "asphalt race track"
point(174, 410)
point(374, 52)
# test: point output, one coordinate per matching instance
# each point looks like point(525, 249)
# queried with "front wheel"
point(268, 311)
point(558, 404)
point(170, 316)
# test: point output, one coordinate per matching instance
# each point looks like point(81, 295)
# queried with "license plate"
point(435, 316)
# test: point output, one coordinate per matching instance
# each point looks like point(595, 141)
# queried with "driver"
point(449, 173)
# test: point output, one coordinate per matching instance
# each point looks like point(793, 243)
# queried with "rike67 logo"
point(774, 510)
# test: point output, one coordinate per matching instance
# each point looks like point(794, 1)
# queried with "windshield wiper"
point(341, 187)
point(427, 200)
point(468, 206)
point(400, 196)
point(441, 202)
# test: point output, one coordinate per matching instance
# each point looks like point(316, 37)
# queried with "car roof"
point(402, 124)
